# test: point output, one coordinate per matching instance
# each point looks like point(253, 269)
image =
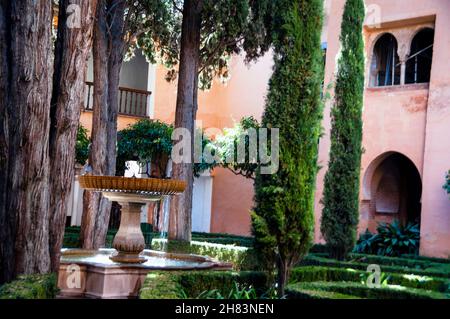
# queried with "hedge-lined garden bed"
point(194, 284)
point(30, 287)
point(308, 290)
point(243, 258)
point(412, 266)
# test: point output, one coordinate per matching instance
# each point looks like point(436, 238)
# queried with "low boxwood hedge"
point(243, 258)
point(178, 285)
point(314, 260)
point(299, 290)
point(318, 273)
point(30, 287)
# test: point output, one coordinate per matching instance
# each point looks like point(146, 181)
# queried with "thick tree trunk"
point(108, 56)
point(71, 52)
point(26, 84)
point(180, 221)
point(7, 221)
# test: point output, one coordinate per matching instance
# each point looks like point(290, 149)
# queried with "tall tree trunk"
point(7, 221)
point(71, 52)
point(180, 221)
point(26, 84)
point(109, 50)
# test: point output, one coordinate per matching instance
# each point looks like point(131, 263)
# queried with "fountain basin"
point(131, 194)
point(93, 274)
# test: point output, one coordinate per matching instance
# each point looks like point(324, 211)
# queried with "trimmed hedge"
point(243, 258)
point(297, 293)
point(300, 290)
point(179, 285)
point(438, 270)
point(30, 287)
point(311, 273)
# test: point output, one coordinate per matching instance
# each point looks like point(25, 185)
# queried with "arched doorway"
point(393, 187)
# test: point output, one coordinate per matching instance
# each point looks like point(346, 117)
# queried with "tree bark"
point(26, 82)
point(109, 51)
point(71, 52)
point(180, 221)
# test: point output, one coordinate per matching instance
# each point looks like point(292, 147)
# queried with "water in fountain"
point(165, 217)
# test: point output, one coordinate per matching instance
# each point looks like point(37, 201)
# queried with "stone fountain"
point(120, 272)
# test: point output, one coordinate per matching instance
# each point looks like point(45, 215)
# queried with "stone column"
point(129, 241)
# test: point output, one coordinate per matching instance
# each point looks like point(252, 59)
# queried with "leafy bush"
point(240, 257)
point(30, 287)
point(297, 290)
point(145, 141)
point(82, 146)
point(237, 292)
point(150, 141)
point(227, 147)
point(195, 284)
point(318, 273)
point(415, 268)
point(391, 240)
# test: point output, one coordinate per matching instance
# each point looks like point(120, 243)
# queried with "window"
point(418, 64)
point(385, 67)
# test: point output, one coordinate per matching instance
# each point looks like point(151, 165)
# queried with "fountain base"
point(93, 274)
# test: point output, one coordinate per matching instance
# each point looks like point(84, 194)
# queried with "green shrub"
point(240, 257)
point(283, 218)
point(340, 213)
point(311, 273)
point(82, 145)
point(391, 240)
point(294, 292)
point(363, 291)
point(193, 284)
point(30, 287)
point(434, 270)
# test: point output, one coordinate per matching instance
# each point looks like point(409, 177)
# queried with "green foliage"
point(228, 145)
point(283, 218)
point(240, 257)
point(320, 273)
point(391, 240)
point(30, 287)
point(297, 290)
point(389, 264)
point(144, 141)
point(150, 141)
point(447, 183)
point(228, 27)
point(205, 284)
point(237, 292)
point(82, 145)
point(341, 187)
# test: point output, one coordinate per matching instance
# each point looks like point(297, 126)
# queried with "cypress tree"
point(340, 214)
point(283, 218)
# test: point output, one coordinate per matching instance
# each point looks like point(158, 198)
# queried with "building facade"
point(406, 118)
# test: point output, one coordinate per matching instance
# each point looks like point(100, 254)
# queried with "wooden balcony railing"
point(132, 102)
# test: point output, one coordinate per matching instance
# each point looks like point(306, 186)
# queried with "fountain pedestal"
point(129, 241)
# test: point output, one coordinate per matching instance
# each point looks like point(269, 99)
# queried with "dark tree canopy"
point(228, 27)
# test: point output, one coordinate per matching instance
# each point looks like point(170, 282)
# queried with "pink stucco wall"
point(411, 119)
